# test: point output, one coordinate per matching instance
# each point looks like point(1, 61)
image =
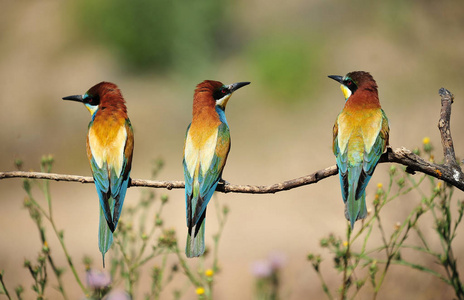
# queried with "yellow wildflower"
point(200, 291)
point(426, 140)
point(209, 273)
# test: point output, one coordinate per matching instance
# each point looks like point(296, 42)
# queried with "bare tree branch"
point(415, 163)
point(450, 172)
point(447, 142)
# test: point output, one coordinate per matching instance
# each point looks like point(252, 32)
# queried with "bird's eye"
point(92, 100)
point(220, 93)
point(349, 83)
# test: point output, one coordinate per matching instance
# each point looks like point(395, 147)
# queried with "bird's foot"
point(223, 182)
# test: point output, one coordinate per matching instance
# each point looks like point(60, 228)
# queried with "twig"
point(450, 172)
point(444, 126)
point(400, 155)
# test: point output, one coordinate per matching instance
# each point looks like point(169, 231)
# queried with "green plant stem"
point(412, 265)
point(127, 261)
point(3, 286)
point(132, 264)
point(437, 203)
point(454, 277)
point(60, 239)
point(416, 185)
point(122, 249)
point(392, 248)
point(69, 260)
point(367, 237)
point(446, 237)
point(218, 235)
point(396, 234)
point(382, 233)
point(138, 260)
point(421, 249)
point(37, 205)
point(157, 285)
point(159, 282)
point(58, 276)
point(422, 238)
point(46, 191)
point(147, 259)
point(185, 267)
point(346, 257)
point(221, 220)
point(325, 288)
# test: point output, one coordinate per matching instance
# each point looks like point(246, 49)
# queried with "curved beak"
point(235, 86)
point(336, 78)
point(77, 98)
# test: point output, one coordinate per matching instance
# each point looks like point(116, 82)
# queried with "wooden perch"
point(449, 171)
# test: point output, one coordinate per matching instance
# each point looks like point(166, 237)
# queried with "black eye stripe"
point(92, 100)
point(350, 84)
point(218, 94)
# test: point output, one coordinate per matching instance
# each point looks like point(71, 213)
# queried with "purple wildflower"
point(98, 279)
point(261, 268)
point(277, 260)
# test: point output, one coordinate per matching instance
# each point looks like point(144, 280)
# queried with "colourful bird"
point(110, 143)
point(360, 135)
point(207, 144)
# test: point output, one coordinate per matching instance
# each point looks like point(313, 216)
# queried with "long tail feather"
point(355, 209)
point(196, 242)
point(105, 235)
point(358, 209)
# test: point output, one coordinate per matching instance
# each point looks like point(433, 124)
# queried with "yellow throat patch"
point(346, 91)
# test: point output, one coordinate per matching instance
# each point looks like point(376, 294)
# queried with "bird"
point(360, 136)
point(206, 147)
point(110, 145)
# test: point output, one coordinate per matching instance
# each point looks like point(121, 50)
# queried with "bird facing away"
point(360, 135)
point(110, 143)
point(207, 144)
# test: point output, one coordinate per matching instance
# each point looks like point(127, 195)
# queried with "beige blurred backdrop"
point(278, 133)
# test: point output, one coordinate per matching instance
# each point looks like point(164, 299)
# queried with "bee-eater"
point(207, 144)
point(360, 135)
point(110, 143)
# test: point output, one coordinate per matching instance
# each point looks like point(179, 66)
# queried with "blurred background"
point(281, 125)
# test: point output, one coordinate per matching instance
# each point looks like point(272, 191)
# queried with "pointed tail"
point(105, 235)
point(355, 209)
point(196, 241)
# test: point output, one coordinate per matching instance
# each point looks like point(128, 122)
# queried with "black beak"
point(235, 86)
point(77, 98)
point(336, 78)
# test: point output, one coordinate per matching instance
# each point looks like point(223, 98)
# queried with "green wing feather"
point(199, 189)
point(355, 174)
